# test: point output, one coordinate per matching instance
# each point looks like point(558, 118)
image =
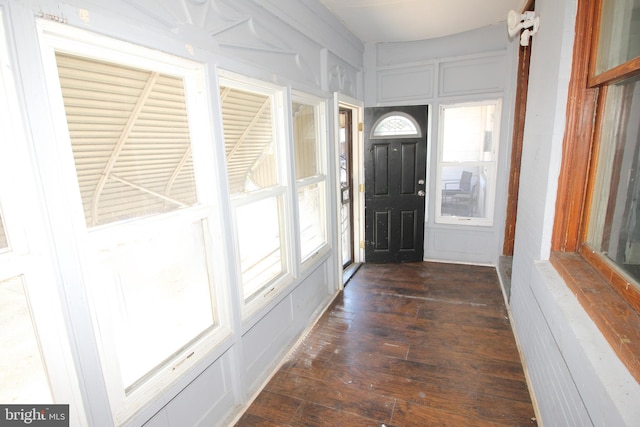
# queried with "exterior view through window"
point(254, 172)
point(21, 363)
point(147, 229)
point(310, 178)
point(467, 159)
point(614, 220)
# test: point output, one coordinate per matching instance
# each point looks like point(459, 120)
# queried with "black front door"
point(395, 170)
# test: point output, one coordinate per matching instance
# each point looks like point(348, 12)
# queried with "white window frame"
point(322, 145)
point(55, 37)
point(24, 219)
point(279, 111)
point(488, 220)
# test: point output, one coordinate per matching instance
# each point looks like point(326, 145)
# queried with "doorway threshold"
point(349, 271)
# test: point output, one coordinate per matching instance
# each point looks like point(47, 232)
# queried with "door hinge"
point(361, 245)
point(361, 188)
point(360, 126)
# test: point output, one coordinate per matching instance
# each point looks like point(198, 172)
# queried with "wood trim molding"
point(614, 317)
point(623, 285)
point(576, 151)
point(616, 74)
point(522, 87)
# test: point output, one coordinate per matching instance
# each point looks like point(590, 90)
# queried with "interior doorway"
point(349, 117)
point(346, 186)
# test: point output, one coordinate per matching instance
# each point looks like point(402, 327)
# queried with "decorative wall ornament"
point(234, 27)
point(340, 81)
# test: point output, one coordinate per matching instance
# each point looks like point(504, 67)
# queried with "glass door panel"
point(346, 211)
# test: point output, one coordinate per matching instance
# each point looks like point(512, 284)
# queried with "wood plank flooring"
point(421, 344)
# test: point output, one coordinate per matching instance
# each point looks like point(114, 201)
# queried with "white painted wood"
point(429, 72)
point(487, 39)
point(472, 76)
point(445, 242)
point(248, 38)
point(406, 83)
point(204, 397)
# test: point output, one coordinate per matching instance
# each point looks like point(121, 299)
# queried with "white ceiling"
point(408, 20)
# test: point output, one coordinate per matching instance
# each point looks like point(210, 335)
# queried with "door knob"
point(421, 193)
point(420, 181)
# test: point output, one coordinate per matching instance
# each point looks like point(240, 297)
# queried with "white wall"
point(295, 44)
point(577, 380)
point(472, 66)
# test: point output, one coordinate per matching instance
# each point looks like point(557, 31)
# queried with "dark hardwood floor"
point(421, 344)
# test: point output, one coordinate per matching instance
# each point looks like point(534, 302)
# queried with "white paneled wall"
point(473, 66)
point(298, 46)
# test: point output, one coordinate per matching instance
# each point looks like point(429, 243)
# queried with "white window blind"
point(4, 241)
point(130, 139)
point(249, 140)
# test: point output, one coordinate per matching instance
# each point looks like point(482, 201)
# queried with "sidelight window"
point(467, 160)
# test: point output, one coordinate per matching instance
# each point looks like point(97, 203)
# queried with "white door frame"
point(357, 171)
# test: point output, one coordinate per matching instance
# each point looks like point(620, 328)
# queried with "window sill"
point(614, 317)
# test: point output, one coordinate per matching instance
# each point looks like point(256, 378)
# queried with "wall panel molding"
point(472, 76)
point(405, 83)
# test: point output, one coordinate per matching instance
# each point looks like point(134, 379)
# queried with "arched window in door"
point(395, 124)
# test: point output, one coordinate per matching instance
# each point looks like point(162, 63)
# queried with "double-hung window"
point(467, 159)
point(598, 207)
point(613, 228)
point(36, 365)
point(144, 192)
point(257, 174)
point(309, 141)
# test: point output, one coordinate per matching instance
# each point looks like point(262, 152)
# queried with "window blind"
point(130, 139)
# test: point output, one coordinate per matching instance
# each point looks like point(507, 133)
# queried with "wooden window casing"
point(605, 292)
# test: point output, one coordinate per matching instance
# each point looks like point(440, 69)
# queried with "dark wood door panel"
point(395, 172)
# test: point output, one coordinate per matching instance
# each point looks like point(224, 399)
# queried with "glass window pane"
point(4, 241)
point(305, 140)
point(614, 227)
point(21, 367)
point(345, 228)
point(259, 239)
point(130, 138)
point(395, 125)
point(464, 190)
point(249, 140)
point(312, 229)
point(619, 37)
point(468, 133)
point(161, 286)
